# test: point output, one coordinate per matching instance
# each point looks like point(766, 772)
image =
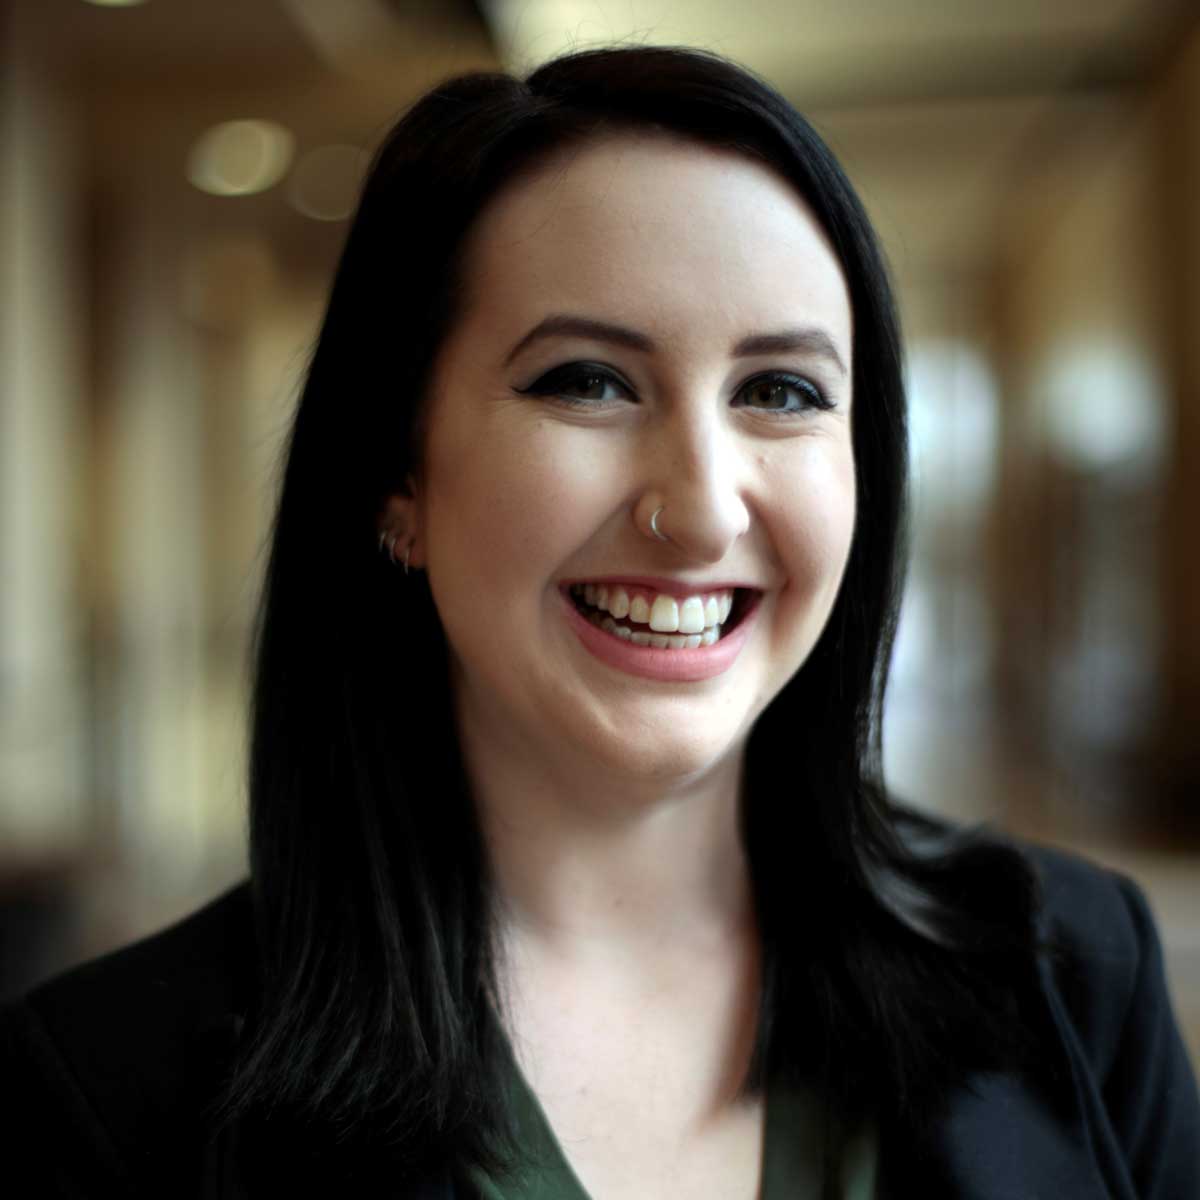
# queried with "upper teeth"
point(664, 614)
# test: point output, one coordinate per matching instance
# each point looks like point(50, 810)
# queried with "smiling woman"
point(545, 434)
point(573, 870)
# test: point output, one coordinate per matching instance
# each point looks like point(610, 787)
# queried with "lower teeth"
point(660, 641)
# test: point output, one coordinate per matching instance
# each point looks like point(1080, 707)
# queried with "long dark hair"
point(892, 969)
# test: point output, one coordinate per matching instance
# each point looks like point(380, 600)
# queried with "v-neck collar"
point(790, 1150)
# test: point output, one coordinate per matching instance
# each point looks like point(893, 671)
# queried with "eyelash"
point(554, 381)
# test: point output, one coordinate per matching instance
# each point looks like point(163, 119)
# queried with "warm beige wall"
point(1176, 108)
point(1097, 307)
point(44, 780)
point(205, 338)
point(1086, 384)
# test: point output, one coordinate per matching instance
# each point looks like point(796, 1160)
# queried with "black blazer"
point(110, 1067)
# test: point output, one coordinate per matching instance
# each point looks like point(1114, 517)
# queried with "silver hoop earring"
point(387, 544)
point(662, 537)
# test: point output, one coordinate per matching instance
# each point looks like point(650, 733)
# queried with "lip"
point(670, 587)
point(671, 666)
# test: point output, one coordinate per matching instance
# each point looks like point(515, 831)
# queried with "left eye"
point(771, 393)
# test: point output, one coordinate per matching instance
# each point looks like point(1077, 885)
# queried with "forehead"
point(686, 241)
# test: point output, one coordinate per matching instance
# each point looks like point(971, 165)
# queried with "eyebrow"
point(808, 340)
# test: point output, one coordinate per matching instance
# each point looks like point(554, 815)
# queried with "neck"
point(588, 865)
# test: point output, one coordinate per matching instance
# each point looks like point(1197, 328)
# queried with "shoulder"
point(118, 1059)
point(1099, 955)
point(1098, 940)
point(1106, 985)
point(1096, 907)
point(1115, 1041)
point(1102, 945)
point(1095, 914)
point(172, 979)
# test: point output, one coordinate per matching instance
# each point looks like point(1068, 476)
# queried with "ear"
point(401, 515)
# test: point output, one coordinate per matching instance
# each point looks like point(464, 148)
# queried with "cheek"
point(819, 514)
point(558, 487)
point(516, 495)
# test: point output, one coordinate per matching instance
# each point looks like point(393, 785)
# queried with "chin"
point(662, 758)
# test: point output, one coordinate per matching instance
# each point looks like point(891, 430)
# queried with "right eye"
point(581, 385)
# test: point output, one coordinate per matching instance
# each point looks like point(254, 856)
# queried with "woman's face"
point(550, 444)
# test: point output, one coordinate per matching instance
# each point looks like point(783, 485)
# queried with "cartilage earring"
point(387, 544)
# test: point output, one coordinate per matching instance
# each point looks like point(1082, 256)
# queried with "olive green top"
point(790, 1156)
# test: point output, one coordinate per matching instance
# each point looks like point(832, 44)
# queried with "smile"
point(638, 642)
point(657, 619)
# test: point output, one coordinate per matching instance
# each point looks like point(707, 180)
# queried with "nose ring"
point(662, 537)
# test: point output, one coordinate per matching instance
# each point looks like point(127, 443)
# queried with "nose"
point(697, 469)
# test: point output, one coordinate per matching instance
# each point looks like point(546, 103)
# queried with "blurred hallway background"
point(174, 181)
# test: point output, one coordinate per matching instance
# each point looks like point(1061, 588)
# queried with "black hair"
point(896, 956)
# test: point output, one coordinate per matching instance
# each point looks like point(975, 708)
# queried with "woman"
point(572, 869)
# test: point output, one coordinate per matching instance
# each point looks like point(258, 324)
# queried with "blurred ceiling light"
point(238, 158)
point(1104, 407)
point(953, 424)
point(324, 184)
point(115, 3)
point(530, 31)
